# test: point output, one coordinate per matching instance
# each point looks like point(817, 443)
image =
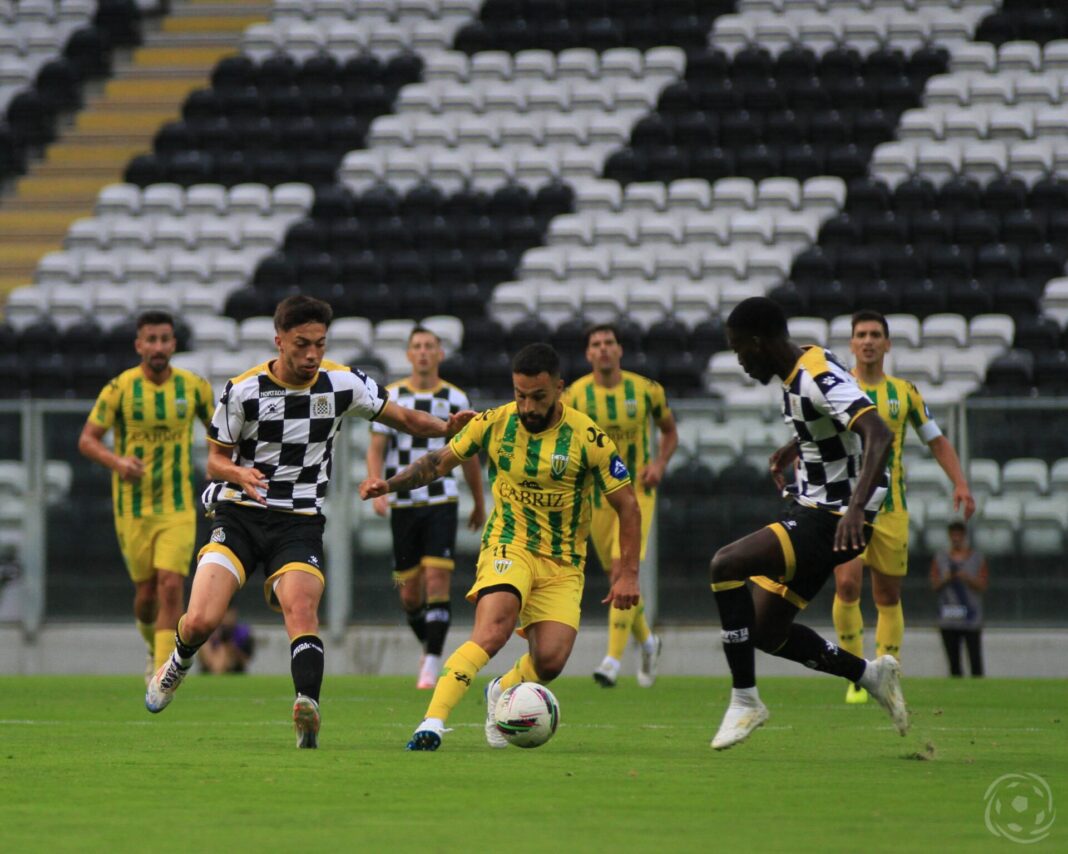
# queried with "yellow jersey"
point(626, 412)
point(899, 404)
point(155, 424)
point(542, 482)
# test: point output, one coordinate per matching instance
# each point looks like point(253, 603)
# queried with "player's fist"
point(780, 461)
point(651, 475)
point(381, 505)
point(477, 518)
point(254, 484)
point(130, 469)
point(624, 592)
point(457, 421)
point(373, 487)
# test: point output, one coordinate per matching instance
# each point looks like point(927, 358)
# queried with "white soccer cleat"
point(649, 663)
point(738, 723)
point(428, 672)
point(494, 737)
point(306, 722)
point(427, 735)
point(607, 674)
point(164, 683)
point(882, 678)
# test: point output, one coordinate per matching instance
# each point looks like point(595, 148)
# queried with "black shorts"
point(807, 539)
point(423, 536)
point(279, 542)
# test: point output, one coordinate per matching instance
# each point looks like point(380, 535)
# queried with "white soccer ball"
point(527, 714)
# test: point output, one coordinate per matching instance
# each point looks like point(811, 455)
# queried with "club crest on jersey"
point(322, 406)
point(559, 464)
point(218, 535)
point(501, 565)
point(631, 405)
point(617, 468)
point(895, 408)
point(181, 406)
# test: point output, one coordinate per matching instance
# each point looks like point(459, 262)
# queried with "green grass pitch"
point(84, 767)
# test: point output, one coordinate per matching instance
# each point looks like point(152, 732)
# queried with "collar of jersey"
point(797, 366)
point(276, 381)
point(865, 386)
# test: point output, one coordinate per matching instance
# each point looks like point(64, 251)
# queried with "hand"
point(963, 496)
point(624, 592)
point(129, 469)
point(373, 487)
point(457, 421)
point(477, 518)
point(778, 462)
point(651, 475)
point(254, 484)
point(381, 505)
point(849, 535)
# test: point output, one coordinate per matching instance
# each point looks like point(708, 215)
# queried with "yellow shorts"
point(604, 528)
point(888, 549)
point(157, 542)
point(548, 589)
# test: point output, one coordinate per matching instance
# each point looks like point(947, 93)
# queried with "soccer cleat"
point(494, 737)
point(428, 672)
point(427, 736)
point(306, 722)
point(649, 663)
point(855, 695)
point(164, 683)
point(738, 723)
point(607, 674)
point(882, 678)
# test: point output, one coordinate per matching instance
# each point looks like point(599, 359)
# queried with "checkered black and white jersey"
point(403, 449)
point(287, 432)
point(821, 400)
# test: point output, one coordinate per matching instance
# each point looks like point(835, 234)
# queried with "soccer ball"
point(527, 714)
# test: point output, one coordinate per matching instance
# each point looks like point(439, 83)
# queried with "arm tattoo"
point(423, 471)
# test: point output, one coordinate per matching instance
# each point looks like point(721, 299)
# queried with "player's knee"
point(196, 625)
point(548, 667)
point(169, 585)
point(725, 565)
point(768, 637)
point(848, 590)
point(410, 599)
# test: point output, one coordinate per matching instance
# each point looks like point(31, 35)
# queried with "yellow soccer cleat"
point(856, 695)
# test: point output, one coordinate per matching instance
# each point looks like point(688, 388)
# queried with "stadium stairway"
point(147, 89)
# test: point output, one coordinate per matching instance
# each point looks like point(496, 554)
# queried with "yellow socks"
point(164, 646)
point(619, 625)
point(640, 628)
point(523, 671)
point(148, 632)
point(889, 630)
point(849, 626)
point(459, 671)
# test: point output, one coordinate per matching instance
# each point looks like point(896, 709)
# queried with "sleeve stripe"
point(857, 415)
point(222, 444)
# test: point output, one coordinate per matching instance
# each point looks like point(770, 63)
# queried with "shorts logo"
point(314, 561)
point(218, 535)
point(559, 464)
point(502, 565)
point(617, 468)
point(631, 405)
point(322, 407)
point(181, 406)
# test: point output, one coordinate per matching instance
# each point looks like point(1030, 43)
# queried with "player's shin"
point(438, 618)
point(457, 675)
point(806, 647)
point(849, 625)
point(186, 652)
point(619, 627)
point(522, 671)
point(736, 616)
point(164, 646)
point(307, 661)
point(889, 630)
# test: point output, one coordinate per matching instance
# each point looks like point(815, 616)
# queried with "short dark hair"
point(759, 315)
point(154, 316)
point(866, 314)
point(535, 359)
point(300, 309)
point(601, 327)
point(422, 330)
point(957, 525)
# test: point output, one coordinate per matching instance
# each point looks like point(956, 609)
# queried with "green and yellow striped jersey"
point(542, 482)
point(626, 412)
point(155, 424)
point(900, 404)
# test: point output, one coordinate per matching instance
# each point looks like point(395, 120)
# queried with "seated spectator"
point(230, 648)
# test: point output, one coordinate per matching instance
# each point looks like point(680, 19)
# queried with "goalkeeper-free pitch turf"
point(84, 767)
